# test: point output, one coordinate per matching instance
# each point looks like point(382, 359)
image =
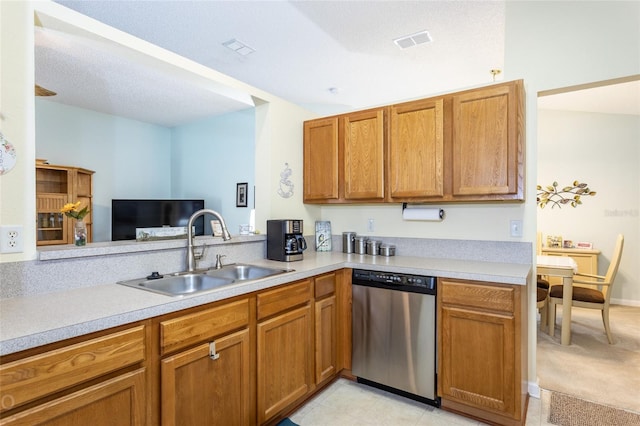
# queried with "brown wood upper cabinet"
point(363, 138)
point(487, 143)
point(460, 147)
point(344, 158)
point(321, 160)
point(416, 150)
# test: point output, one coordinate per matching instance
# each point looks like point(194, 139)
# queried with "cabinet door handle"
point(212, 351)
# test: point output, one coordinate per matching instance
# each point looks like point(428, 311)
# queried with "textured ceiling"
point(302, 50)
point(620, 98)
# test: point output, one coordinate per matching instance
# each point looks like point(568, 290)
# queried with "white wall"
point(603, 151)
point(130, 159)
point(278, 123)
point(558, 44)
point(208, 159)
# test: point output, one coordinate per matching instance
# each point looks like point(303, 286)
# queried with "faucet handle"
point(219, 260)
point(198, 256)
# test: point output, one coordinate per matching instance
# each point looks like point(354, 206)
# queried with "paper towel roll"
point(422, 213)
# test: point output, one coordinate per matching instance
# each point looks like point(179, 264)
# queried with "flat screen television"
point(127, 215)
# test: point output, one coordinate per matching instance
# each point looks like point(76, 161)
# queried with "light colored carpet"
point(565, 410)
point(590, 368)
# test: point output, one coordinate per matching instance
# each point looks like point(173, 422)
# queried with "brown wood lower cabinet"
point(326, 336)
point(482, 367)
point(199, 388)
point(118, 401)
point(242, 361)
point(285, 354)
point(98, 381)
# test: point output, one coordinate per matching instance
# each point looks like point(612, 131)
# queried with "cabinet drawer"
point(274, 301)
point(39, 375)
point(325, 285)
point(202, 326)
point(477, 295)
point(118, 401)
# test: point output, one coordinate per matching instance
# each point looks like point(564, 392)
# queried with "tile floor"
point(347, 403)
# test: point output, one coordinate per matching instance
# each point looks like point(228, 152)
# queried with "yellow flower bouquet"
point(71, 210)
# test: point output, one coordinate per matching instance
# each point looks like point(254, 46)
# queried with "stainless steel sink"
point(244, 272)
point(189, 283)
point(179, 285)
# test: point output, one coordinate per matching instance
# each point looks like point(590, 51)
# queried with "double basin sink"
point(189, 283)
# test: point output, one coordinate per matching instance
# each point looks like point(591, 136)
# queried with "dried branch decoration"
point(568, 194)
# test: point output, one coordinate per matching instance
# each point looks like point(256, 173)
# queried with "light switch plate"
point(516, 228)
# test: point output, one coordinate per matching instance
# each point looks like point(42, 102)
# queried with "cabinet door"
point(486, 142)
point(416, 150)
point(326, 339)
point(52, 225)
point(364, 155)
point(321, 160)
point(285, 362)
point(118, 401)
point(478, 359)
point(199, 390)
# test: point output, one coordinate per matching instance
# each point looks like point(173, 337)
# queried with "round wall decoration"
point(7, 155)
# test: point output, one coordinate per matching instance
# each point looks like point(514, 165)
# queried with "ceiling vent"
point(239, 47)
point(413, 40)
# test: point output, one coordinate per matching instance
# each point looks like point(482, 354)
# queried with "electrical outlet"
point(371, 225)
point(516, 228)
point(11, 239)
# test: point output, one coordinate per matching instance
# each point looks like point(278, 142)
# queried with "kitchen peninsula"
point(314, 295)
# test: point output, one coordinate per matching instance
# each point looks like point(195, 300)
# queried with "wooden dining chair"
point(542, 303)
point(541, 281)
point(592, 298)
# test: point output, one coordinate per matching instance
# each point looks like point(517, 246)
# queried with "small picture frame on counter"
point(568, 244)
point(585, 245)
point(323, 235)
point(554, 241)
point(216, 228)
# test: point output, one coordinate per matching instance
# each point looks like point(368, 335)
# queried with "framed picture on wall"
point(241, 194)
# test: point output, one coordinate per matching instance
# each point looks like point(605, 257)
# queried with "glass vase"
point(80, 233)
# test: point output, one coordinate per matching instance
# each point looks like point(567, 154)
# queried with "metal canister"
point(360, 245)
point(387, 250)
point(373, 247)
point(348, 242)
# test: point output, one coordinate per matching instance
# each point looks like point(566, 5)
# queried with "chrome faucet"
point(191, 260)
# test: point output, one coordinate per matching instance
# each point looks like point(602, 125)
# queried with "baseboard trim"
point(625, 302)
point(534, 389)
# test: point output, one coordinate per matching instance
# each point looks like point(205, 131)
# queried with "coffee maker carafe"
point(284, 240)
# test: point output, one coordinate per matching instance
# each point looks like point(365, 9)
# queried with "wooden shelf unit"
point(56, 186)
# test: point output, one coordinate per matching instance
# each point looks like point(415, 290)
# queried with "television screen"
point(127, 215)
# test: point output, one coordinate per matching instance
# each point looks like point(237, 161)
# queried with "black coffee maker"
point(284, 240)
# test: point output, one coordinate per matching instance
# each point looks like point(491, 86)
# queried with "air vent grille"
point(239, 47)
point(413, 40)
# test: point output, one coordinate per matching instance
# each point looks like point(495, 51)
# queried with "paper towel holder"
point(440, 211)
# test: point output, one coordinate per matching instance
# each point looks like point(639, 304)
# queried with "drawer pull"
point(212, 351)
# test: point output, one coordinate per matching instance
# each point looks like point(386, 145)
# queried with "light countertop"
point(30, 321)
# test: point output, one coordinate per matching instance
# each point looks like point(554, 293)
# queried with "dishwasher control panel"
point(392, 278)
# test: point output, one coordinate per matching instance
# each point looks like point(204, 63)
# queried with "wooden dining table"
point(564, 267)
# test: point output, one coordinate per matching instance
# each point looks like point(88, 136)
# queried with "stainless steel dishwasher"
point(394, 333)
